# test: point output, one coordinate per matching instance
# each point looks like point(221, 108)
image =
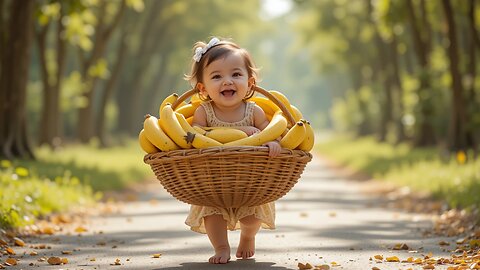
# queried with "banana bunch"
point(173, 129)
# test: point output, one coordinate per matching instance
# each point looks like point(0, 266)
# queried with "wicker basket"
point(228, 176)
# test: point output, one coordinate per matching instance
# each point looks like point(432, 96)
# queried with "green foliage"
point(427, 169)
point(64, 179)
point(25, 196)
point(102, 169)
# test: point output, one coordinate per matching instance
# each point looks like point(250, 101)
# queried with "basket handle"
point(258, 89)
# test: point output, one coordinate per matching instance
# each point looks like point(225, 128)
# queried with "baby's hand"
point(274, 148)
point(250, 130)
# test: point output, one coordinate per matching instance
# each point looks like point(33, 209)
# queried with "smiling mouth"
point(228, 93)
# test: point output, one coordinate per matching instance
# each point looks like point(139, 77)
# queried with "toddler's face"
point(226, 81)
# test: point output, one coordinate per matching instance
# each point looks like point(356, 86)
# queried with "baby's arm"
point(200, 117)
point(261, 122)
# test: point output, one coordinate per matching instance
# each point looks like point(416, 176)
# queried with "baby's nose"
point(227, 82)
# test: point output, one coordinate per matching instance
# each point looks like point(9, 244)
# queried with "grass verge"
point(61, 180)
point(446, 178)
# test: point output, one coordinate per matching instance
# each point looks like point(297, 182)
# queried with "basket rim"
point(227, 150)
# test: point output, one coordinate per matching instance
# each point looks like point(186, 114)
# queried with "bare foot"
point(222, 255)
point(246, 247)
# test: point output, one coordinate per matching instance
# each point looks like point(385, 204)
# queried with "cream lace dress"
point(265, 212)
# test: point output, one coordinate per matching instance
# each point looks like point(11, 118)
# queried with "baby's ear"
point(201, 88)
point(251, 82)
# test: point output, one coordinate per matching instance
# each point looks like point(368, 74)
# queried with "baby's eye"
point(237, 74)
point(216, 77)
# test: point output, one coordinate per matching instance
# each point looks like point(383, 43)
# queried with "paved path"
point(324, 219)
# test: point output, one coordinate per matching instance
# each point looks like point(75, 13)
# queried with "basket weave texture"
point(228, 176)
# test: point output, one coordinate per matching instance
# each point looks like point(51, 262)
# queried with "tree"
point(458, 121)
point(16, 39)
point(92, 62)
point(421, 37)
point(50, 130)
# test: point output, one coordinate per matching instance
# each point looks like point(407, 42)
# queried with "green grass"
point(102, 169)
point(421, 169)
point(62, 180)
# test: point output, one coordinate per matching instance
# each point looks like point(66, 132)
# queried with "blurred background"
point(90, 70)
point(85, 72)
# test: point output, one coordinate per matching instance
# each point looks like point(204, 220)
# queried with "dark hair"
point(220, 50)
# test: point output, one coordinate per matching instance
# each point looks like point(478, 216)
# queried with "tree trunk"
point(15, 64)
point(383, 71)
point(108, 91)
point(457, 131)
point(472, 70)
point(50, 130)
point(397, 82)
point(425, 135)
point(103, 34)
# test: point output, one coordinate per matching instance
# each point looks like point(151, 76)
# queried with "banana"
point(156, 136)
point(188, 109)
point(170, 99)
point(224, 134)
point(266, 104)
point(199, 130)
point(283, 99)
point(171, 126)
point(297, 114)
point(294, 136)
point(190, 120)
point(145, 144)
point(195, 138)
point(309, 141)
point(195, 98)
point(273, 130)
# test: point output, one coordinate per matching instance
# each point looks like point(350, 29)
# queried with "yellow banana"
point(190, 120)
point(145, 144)
point(195, 138)
point(297, 114)
point(199, 130)
point(195, 98)
point(294, 136)
point(171, 126)
point(309, 141)
point(170, 99)
point(284, 100)
point(156, 136)
point(266, 104)
point(224, 134)
point(188, 109)
point(273, 130)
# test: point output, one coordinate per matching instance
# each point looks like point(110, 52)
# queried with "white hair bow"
point(199, 52)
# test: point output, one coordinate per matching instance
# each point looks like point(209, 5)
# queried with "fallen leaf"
point(392, 259)
point(156, 255)
point(117, 262)
point(11, 261)
point(54, 261)
point(302, 266)
point(322, 267)
point(401, 247)
point(378, 257)
point(80, 229)
point(10, 251)
point(375, 268)
point(18, 242)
